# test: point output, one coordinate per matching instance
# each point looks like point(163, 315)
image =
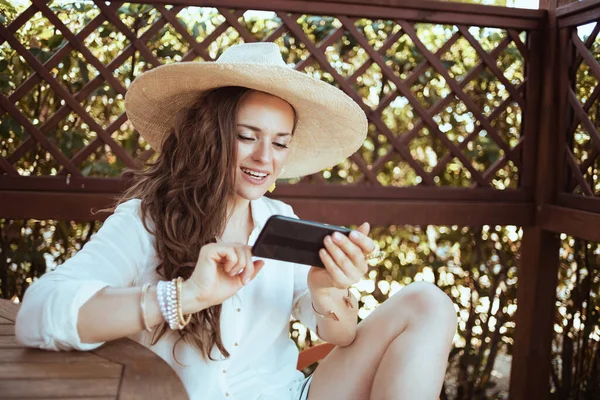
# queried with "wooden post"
point(538, 270)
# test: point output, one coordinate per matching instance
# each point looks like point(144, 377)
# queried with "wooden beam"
point(578, 12)
point(414, 10)
point(283, 191)
point(79, 206)
point(401, 212)
point(579, 202)
point(334, 191)
point(538, 269)
point(433, 5)
point(577, 223)
point(67, 183)
point(54, 205)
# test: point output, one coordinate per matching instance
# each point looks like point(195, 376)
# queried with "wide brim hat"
point(330, 125)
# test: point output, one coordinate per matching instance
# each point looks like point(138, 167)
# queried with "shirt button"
point(224, 371)
point(227, 394)
point(236, 344)
point(239, 310)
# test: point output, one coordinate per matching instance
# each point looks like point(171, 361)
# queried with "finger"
point(365, 243)
point(339, 255)
point(365, 228)
point(248, 271)
point(338, 278)
point(242, 261)
point(354, 252)
point(226, 257)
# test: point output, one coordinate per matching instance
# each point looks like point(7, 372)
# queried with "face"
point(264, 131)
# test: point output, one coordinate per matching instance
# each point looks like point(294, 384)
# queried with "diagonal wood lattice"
point(582, 152)
point(449, 121)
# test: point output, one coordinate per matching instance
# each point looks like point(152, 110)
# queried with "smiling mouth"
point(255, 176)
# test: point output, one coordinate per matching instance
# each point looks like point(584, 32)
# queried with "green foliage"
point(475, 266)
point(576, 367)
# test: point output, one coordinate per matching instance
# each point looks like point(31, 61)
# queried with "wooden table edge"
point(138, 362)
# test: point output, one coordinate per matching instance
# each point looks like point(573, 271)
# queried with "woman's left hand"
point(344, 259)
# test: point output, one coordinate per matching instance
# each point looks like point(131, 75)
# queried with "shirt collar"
point(260, 212)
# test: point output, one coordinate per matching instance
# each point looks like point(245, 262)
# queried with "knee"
point(427, 302)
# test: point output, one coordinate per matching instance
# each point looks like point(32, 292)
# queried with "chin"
point(250, 193)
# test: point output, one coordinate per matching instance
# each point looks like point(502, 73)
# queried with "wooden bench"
point(121, 369)
point(313, 354)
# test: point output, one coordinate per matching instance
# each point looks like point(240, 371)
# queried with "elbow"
point(31, 327)
point(24, 331)
point(342, 340)
point(347, 340)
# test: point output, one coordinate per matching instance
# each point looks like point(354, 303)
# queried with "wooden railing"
point(427, 85)
point(548, 156)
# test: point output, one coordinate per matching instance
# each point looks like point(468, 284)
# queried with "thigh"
point(348, 372)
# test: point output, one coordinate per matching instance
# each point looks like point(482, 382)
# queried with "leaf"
point(168, 51)
point(40, 54)
point(105, 31)
point(55, 41)
point(448, 63)
point(84, 71)
point(126, 10)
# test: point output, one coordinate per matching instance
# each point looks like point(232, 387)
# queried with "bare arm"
point(220, 272)
point(114, 313)
point(345, 264)
point(114, 257)
point(342, 332)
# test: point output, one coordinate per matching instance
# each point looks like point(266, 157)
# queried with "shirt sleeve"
point(302, 305)
point(114, 256)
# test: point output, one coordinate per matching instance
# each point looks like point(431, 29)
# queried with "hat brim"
point(331, 126)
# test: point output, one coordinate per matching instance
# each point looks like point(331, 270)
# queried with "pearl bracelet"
point(169, 294)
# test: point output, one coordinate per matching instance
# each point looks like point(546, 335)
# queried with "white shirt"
point(254, 322)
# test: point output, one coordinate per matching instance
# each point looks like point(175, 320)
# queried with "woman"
point(172, 267)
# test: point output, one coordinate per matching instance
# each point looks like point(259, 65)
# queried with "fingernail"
point(354, 235)
point(246, 281)
point(337, 236)
point(327, 239)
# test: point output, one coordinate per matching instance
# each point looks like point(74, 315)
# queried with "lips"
point(254, 173)
point(254, 176)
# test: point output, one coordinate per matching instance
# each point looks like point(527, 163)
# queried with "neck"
point(238, 210)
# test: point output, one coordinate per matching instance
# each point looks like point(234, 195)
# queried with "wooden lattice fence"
point(437, 119)
point(477, 115)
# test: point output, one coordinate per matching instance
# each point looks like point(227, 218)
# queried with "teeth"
point(255, 174)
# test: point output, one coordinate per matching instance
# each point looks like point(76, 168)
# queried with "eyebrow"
point(255, 129)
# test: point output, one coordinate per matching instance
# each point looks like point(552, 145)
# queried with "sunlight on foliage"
point(422, 131)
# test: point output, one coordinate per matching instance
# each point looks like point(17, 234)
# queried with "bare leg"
point(400, 351)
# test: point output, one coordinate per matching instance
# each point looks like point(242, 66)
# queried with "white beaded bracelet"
point(169, 301)
point(160, 295)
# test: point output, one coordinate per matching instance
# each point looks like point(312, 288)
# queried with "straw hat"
point(331, 126)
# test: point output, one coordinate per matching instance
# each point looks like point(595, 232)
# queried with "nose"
point(263, 152)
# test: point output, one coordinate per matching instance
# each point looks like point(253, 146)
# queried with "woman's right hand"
point(217, 276)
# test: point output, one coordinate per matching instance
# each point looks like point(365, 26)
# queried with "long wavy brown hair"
point(185, 194)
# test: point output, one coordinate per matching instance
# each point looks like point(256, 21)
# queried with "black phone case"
point(294, 240)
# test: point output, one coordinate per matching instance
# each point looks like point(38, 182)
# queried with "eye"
point(245, 138)
point(280, 145)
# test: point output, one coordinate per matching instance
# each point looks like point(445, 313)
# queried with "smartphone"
point(294, 240)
